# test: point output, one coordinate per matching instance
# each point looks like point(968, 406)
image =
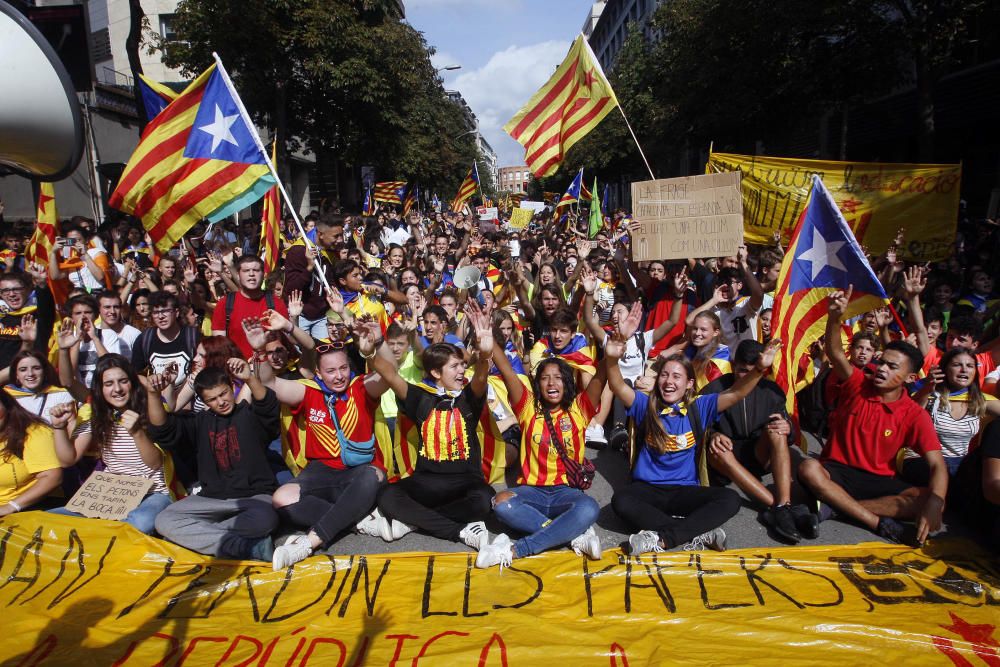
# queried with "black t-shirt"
point(150, 350)
point(746, 420)
point(449, 442)
point(10, 327)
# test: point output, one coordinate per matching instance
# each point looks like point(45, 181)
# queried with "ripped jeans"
point(550, 515)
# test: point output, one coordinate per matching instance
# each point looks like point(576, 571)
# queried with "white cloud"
point(503, 85)
point(442, 59)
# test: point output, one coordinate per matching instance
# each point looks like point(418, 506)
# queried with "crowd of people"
point(356, 387)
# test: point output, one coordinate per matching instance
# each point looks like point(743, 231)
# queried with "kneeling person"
point(232, 516)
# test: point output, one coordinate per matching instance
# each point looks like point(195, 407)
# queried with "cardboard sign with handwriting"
point(691, 216)
point(108, 496)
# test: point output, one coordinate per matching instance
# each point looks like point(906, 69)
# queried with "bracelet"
point(15, 505)
point(370, 356)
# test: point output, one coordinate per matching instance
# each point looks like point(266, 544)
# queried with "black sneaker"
point(806, 521)
point(892, 530)
point(619, 439)
point(783, 522)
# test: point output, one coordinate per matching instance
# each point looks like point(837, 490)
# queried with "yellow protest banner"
point(877, 199)
point(86, 590)
point(520, 217)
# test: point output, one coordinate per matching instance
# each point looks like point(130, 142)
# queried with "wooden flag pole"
point(632, 132)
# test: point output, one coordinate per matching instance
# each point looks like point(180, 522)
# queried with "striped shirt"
point(954, 434)
point(121, 456)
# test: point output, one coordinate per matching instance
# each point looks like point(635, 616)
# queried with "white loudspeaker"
point(41, 130)
point(467, 277)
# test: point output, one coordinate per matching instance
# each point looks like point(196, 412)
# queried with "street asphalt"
point(744, 530)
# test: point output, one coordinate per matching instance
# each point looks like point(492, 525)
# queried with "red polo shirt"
point(866, 433)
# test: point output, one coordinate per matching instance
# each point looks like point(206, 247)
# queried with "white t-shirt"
point(83, 277)
point(41, 404)
point(398, 236)
point(633, 362)
point(115, 343)
point(739, 323)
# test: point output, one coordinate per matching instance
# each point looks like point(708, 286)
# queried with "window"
point(167, 27)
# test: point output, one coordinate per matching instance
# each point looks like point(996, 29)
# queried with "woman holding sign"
point(29, 469)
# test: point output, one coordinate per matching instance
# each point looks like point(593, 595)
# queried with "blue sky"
point(507, 50)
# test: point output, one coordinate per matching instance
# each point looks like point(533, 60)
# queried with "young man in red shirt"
point(249, 302)
point(873, 420)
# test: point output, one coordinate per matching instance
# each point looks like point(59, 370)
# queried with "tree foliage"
point(338, 75)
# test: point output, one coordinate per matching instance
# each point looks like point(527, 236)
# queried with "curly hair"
point(104, 417)
point(568, 376)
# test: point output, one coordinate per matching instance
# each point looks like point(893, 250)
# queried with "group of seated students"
point(258, 418)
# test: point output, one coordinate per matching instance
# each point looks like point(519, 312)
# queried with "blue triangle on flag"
point(827, 254)
point(219, 131)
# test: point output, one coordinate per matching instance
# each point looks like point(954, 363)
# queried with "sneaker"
point(474, 535)
point(806, 522)
point(714, 539)
point(619, 438)
point(262, 549)
point(399, 529)
point(781, 519)
point(497, 553)
point(288, 537)
point(643, 542)
point(291, 552)
point(891, 530)
point(371, 524)
point(594, 435)
point(588, 544)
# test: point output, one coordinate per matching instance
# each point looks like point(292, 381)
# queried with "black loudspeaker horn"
point(41, 129)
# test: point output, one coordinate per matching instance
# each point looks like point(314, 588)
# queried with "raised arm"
point(288, 392)
point(69, 337)
point(680, 291)
point(483, 328)
point(708, 305)
point(742, 387)
point(148, 452)
point(62, 416)
point(750, 280)
point(515, 390)
point(368, 344)
point(589, 283)
point(613, 351)
point(834, 349)
point(914, 282)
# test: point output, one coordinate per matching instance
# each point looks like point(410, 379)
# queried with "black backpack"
point(231, 303)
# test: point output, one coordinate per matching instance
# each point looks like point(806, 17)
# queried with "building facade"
point(609, 24)
point(514, 179)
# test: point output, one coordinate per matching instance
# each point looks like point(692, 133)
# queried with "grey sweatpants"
point(218, 527)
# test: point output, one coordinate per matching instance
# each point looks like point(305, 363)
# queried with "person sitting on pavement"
point(751, 439)
point(232, 516)
point(875, 418)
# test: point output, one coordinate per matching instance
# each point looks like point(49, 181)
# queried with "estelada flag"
point(578, 353)
point(155, 96)
point(570, 104)
point(200, 158)
point(46, 227)
point(823, 257)
point(370, 206)
point(466, 190)
point(270, 225)
point(390, 192)
point(411, 200)
point(572, 194)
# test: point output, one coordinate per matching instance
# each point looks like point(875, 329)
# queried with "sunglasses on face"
point(330, 347)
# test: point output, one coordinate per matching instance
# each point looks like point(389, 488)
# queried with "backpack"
point(231, 303)
point(145, 342)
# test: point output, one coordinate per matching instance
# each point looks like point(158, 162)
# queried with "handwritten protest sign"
point(692, 216)
point(73, 588)
point(520, 217)
point(108, 496)
point(877, 199)
point(488, 213)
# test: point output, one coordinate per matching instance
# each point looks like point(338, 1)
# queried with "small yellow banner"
point(877, 199)
point(86, 590)
point(520, 217)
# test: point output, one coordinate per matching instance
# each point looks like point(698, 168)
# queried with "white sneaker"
point(588, 543)
point(595, 433)
point(714, 539)
point(643, 542)
point(291, 552)
point(475, 535)
point(290, 537)
point(398, 529)
point(497, 553)
point(370, 524)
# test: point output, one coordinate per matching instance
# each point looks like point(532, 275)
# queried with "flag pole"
point(270, 165)
point(597, 64)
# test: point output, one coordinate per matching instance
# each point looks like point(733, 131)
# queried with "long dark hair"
point(977, 402)
point(656, 436)
point(104, 417)
point(568, 378)
point(15, 426)
point(50, 378)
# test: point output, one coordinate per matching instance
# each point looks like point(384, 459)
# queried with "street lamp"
point(449, 68)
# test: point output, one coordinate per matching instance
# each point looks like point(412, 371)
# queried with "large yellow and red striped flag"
point(390, 192)
point(46, 227)
point(200, 158)
point(270, 225)
point(466, 190)
point(411, 200)
point(570, 104)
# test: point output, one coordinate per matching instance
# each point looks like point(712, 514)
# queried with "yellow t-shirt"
point(18, 475)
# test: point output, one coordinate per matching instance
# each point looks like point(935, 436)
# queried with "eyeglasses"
point(330, 347)
point(161, 311)
point(10, 290)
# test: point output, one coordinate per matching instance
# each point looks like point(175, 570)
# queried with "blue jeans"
point(550, 515)
point(315, 328)
point(142, 518)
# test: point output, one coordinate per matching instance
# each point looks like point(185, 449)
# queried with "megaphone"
point(41, 129)
point(467, 277)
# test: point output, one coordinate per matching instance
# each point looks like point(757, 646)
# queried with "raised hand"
point(914, 282)
point(583, 248)
point(214, 261)
point(131, 422)
point(335, 300)
point(39, 274)
point(61, 414)
point(69, 335)
point(838, 302)
point(365, 331)
point(272, 320)
point(481, 325)
point(255, 333)
point(631, 323)
point(614, 348)
point(28, 329)
point(680, 284)
point(295, 305)
point(883, 317)
point(238, 368)
point(741, 255)
point(588, 279)
point(768, 355)
point(190, 272)
point(87, 328)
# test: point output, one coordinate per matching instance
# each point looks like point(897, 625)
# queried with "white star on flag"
point(823, 253)
point(219, 128)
